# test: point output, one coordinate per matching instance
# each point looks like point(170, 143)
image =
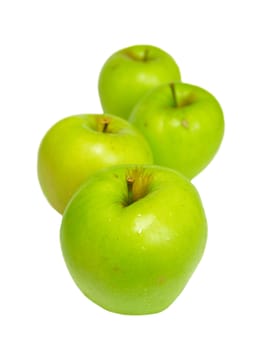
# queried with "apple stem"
point(130, 183)
point(138, 182)
point(105, 123)
point(172, 87)
point(145, 57)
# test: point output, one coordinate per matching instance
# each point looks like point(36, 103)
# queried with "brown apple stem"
point(130, 182)
point(105, 123)
point(138, 182)
point(172, 87)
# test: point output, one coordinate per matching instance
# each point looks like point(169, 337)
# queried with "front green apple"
point(129, 73)
point(132, 237)
point(183, 124)
point(78, 146)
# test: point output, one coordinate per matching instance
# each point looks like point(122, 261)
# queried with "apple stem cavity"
point(142, 57)
point(138, 182)
point(184, 100)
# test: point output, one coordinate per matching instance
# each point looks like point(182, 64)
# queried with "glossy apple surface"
point(183, 124)
point(77, 146)
point(132, 237)
point(129, 73)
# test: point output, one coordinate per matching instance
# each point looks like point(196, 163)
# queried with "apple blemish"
point(185, 123)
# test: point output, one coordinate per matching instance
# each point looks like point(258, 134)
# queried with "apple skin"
point(129, 73)
point(76, 147)
point(135, 257)
point(184, 125)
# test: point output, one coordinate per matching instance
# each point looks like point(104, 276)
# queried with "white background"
point(51, 54)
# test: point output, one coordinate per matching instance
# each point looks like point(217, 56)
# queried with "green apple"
point(183, 124)
point(78, 146)
point(132, 237)
point(129, 73)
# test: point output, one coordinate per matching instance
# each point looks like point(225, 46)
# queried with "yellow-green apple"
point(78, 146)
point(129, 73)
point(132, 237)
point(183, 124)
